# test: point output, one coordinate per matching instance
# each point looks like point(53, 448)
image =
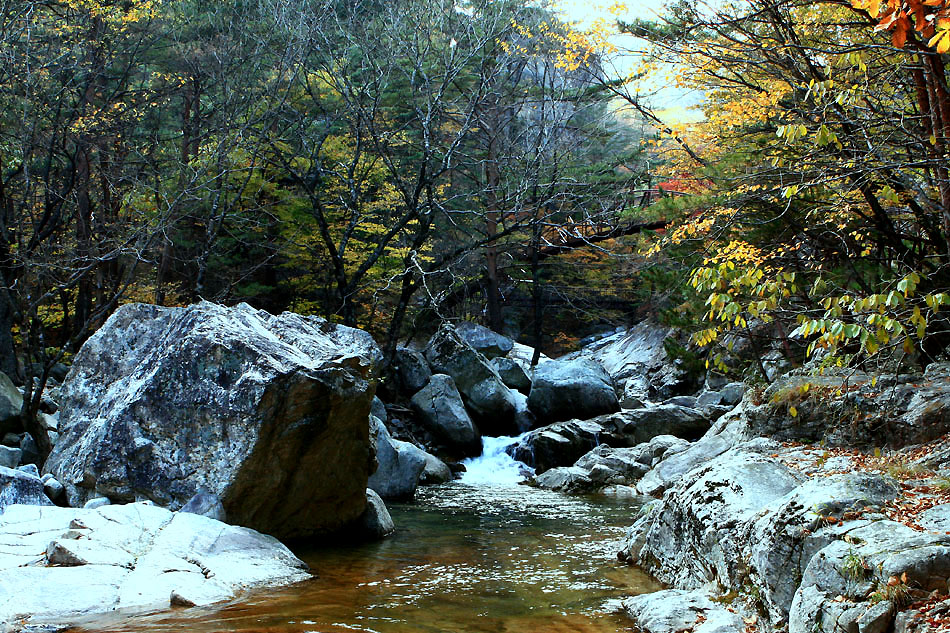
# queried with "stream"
point(479, 554)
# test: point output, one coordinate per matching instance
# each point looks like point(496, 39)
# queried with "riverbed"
point(466, 557)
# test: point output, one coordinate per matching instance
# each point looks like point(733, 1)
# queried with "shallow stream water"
point(490, 556)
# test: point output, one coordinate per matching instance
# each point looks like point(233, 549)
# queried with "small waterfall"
point(495, 467)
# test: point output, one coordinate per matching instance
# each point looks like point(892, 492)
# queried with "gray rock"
point(639, 353)
point(939, 370)
point(206, 504)
point(523, 354)
point(17, 486)
point(488, 343)
point(30, 451)
point(11, 439)
point(642, 425)
point(49, 421)
point(436, 471)
point(558, 444)
point(715, 381)
point(689, 402)
point(441, 411)
point(30, 469)
point(412, 370)
point(378, 409)
point(512, 374)
point(675, 610)
point(11, 402)
point(708, 399)
point(573, 389)
point(567, 479)
point(10, 457)
point(54, 490)
point(97, 502)
point(400, 464)
point(629, 464)
point(127, 557)
point(871, 411)
point(733, 392)
point(671, 469)
point(492, 405)
point(375, 522)
point(935, 519)
point(694, 537)
point(268, 413)
point(783, 541)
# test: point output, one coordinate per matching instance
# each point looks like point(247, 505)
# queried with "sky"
point(672, 103)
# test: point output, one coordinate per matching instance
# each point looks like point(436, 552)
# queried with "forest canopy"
point(387, 165)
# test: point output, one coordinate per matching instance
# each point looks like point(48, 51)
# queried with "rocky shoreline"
point(184, 436)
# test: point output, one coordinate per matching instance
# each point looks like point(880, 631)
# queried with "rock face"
point(268, 413)
point(494, 407)
point(400, 464)
point(440, 409)
point(133, 557)
point(562, 390)
point(917, 409)
point(693, 538)
point(804, 542)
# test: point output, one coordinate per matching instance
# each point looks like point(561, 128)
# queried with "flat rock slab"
point(675, 610)
point(77, 563)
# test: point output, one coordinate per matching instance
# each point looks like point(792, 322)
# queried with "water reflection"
point(465, 559)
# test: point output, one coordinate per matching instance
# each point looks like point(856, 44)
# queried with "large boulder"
point(440, 409)
point(268, 413)
point(694, 536)
point(375, 522)
point(486, 342)
point(512, 374)
point(638, 363)
point(135, 557)
point(400, 464)
point(558, 444)
point(642, 425)
point(11, 402)
point(607, 465)
point(494, 407)
point(562, 390)
point(18, 486)
point(412, 370)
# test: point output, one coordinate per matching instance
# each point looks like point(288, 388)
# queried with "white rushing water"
point(495, 467)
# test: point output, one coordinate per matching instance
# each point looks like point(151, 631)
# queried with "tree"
point(826, 205)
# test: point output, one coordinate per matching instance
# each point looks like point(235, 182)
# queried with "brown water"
point(464, 559)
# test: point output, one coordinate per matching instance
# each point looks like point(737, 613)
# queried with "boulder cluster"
point(184, 441)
